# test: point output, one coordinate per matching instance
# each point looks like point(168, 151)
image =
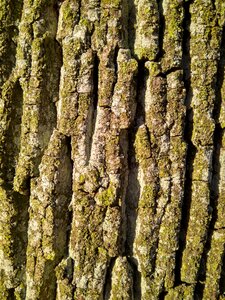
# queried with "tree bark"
point(112, 149)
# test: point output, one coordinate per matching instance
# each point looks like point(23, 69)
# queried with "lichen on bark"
point(112, 149)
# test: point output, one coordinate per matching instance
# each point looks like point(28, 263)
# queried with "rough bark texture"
point(112, 149)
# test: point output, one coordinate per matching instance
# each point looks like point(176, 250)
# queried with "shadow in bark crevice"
point(108, 279)
point(48, 289)
point(191, 149)
point(92, 115)
point(11, 294)
point(161, 24)
point(133, 188)
point(132, 19)
point(136, 278)
point(68, 203)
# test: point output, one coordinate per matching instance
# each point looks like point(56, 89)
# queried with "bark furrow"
point(112, 149)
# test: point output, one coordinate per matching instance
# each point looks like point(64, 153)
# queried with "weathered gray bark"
point(112, 149)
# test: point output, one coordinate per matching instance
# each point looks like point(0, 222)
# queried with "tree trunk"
point(112, 149)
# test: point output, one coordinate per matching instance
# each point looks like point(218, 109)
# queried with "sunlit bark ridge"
point(112, 149)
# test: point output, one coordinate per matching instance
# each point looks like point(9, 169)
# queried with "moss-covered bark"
point(112, 160)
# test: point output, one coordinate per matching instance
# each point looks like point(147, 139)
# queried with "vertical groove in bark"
point(112, 149)
point(188, 127)
point(160, 53)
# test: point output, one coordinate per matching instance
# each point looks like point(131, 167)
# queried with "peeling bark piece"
point(185, 292)
point(147, 29)
point(204, 44)
point(68, 18)
point(6, 254)
point(112, 230)
point(9, 19)
point(64, 274)
point(123, 101)
point(122, 280)
point(220, 222)
point(86, 247)
point(48, 219)
point(173, 13)
point(214, 265)
point(170, 226)
point(168, 242)
point(38, 78)
point(155, 101)
point(145, 233)
point(197, 232)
